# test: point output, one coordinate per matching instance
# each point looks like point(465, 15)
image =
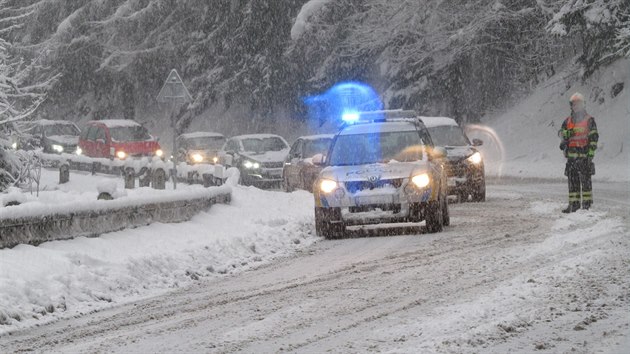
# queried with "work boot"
point(586, 205)
point(573, 207)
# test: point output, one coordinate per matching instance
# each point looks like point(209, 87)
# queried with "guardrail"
point(40, 223)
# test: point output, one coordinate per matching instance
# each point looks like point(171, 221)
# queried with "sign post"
point(174, 93)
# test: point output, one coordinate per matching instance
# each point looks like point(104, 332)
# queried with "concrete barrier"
point(109, 216)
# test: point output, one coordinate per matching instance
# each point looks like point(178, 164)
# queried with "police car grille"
point(356, 186)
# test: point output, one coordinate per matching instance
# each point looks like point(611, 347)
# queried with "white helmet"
point(577, 97)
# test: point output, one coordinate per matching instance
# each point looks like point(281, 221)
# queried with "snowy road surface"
point(512, 274)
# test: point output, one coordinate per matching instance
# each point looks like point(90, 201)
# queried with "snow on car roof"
point(201, 135)
point(317, 137)
point(257, 136)
point(378, 127)
point(114, 123)
point(431, 122)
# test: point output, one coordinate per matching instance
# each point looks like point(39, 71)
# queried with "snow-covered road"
point(511, 274)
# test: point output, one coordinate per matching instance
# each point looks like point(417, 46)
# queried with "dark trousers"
point(580, 188)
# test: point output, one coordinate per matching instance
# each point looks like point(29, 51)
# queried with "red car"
point(120, 138)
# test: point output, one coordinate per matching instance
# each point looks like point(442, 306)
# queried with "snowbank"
point(529, 130)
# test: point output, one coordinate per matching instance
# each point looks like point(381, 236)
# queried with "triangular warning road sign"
point(174, 90)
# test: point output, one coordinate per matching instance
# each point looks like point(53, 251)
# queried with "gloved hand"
point(563, 145)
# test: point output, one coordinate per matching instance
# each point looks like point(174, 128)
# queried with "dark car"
point(259, 157)
point(465, 168)
point(120, 138)
point(53, 136)
point(299, 170)
point(199, 147)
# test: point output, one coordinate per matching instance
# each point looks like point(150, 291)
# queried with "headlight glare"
point(248, 164)
point(327, 185)
point(421, 180)
point(475, 158)
point(159, 153)
point(57, 148)
point(197, 157)
point(14, 146)
point(121, 154)
point(79, 151)
point(215, 159)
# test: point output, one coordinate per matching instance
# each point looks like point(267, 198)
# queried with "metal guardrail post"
point(145, 177)
point(208, 180)
point(64, 173)
point(158, 178)
point(130, 178)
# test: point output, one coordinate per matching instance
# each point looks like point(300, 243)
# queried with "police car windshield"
point(448, 135)
point(360, 149)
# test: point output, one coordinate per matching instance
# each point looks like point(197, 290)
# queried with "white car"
point(259, 157)
point(383, 168)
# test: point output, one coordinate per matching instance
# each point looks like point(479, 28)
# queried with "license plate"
point(374, 199)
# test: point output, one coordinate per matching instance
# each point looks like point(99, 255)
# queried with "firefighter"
point(579, 142)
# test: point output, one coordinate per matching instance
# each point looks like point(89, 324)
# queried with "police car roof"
point(317, 137)
point(201, 135)
point(386, 126)
point(431, 122)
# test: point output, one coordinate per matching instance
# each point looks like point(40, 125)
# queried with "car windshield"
point(205, 142)
point(448, 135)
point(314, 147)
point(360, 149)
point(264, 144)
point(134, 133)
point(61, 129)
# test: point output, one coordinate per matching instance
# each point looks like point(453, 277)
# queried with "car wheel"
point(286, 186)
point(434, 217)
point(479, 194)
point(324, 228)
point(446, 217)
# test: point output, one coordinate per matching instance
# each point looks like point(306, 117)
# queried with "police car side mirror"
point(318, 160)
point(477, 142)
point(438, 152)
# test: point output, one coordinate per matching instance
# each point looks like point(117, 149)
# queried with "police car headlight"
point(197, 157)
point(79, 151)
point(327, 185)
point(57, 148)
point(475, 158)
point(421, 180)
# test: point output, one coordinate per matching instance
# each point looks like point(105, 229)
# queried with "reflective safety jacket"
point(579, 139)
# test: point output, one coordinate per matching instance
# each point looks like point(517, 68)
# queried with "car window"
point(100, 134)
point(84, 133)
point(359, 149)
point(260, 145)
point(314, 147)
point(296, 149)
point(134, 133)
point(206, 142)
point(92, 133)
point(448, 135)
point(61, 129)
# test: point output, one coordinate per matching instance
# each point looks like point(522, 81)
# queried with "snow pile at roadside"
point(528, 131)
point(65, 278)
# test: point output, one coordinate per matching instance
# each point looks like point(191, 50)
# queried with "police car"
point(381, 167)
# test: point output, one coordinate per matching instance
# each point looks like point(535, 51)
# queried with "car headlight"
point(57, 148)
point(121, 154)
point(197, 157)
point(79, 151)
point(421, 180)
point(475, 158)
point(14, 146)
point(215, 159)
point(327, 185)
point(250, 164)
point(159, 153)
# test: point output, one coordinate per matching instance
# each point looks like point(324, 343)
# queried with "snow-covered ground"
point(65, 278)
point(528, 131)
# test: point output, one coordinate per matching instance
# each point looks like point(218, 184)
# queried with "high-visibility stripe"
point(593, 143)
point(575, 154)
point(592, 132)
point(587, 198)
